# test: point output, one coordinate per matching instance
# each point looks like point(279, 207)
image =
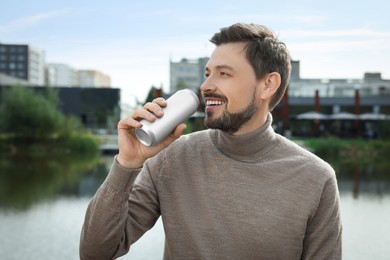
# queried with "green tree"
point(25, 113)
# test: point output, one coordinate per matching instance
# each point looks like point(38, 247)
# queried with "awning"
point(343, 116)
point(312, 115)
point(372, 116)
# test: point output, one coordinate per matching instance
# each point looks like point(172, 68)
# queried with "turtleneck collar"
point(249, 147)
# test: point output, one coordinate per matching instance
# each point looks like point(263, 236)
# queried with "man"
point(235, 191)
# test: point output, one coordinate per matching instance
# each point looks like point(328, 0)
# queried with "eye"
point(224, 74)
point(207, 75)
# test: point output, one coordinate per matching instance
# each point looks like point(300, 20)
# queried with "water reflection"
point(370, 180)
point(43, 203)
point(25, 182)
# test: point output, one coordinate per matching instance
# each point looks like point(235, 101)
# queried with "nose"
point(207, 85)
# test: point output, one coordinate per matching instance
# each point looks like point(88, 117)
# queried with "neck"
point(248, 147)
point(257, 121)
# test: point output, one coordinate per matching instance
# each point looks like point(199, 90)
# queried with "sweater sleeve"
point(121, 211)
point(323, 233)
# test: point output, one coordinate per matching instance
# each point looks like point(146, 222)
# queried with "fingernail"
point(160, 112)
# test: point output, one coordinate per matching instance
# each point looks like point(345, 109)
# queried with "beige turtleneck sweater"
point(257, 196)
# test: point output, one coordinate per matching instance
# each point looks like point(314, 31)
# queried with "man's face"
point(229, 90)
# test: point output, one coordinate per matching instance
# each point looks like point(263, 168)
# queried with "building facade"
point(27, 64)
point(61, 75)
point(23, 62)
point(93, 78)
point(190, 74)
point(368, 86)
point(6, 80)
point(187, 74)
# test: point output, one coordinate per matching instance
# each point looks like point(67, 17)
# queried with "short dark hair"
point(264, 52)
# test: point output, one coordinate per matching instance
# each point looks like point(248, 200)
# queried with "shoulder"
point(300, 156)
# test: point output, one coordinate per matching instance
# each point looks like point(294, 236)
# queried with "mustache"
point(213, 95)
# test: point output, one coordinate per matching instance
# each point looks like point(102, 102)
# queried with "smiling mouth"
point(210, 103)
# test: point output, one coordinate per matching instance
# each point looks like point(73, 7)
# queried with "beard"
point(232, 122)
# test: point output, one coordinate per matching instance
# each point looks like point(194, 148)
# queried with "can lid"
point(144, 135)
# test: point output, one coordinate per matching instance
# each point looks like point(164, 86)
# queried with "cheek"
point(243, 95)
point(239, 100)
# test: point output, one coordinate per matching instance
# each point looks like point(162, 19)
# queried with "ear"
point(271, 83)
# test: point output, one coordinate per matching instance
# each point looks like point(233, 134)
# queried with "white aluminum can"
point(180, 106)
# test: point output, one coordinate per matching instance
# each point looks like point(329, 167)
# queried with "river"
point(43, 202)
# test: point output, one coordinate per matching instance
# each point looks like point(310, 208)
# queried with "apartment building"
point(27, 64)
point(24, 62)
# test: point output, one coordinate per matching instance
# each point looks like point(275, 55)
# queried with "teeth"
point(214, 103)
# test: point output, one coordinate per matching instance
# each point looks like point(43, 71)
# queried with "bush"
point(26, 113)
point(33, 126)
point(350, 150)
point(80, 143)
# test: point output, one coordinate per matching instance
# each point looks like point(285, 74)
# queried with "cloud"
point(232, 17)
point(30, 21)
point(347, 46)
point(358, 40)
point(358, 32)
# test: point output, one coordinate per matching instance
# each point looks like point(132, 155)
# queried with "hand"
point(132, 154)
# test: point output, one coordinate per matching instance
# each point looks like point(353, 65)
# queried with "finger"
point(160, 101)
point(129, 122)
point(179, 130)
point(142, 113)
point(154, 108)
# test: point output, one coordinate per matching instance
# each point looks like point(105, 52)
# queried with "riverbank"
point(50, 147)
point(357, 151)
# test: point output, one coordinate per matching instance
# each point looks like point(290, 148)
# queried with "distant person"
point(235, 191)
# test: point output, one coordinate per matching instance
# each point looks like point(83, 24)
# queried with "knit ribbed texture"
point(256, 196)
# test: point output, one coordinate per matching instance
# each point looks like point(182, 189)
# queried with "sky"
point(134, 41)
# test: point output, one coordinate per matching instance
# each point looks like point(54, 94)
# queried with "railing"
point(108, 143)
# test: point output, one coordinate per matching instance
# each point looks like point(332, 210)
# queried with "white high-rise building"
point(62, 75)
point(36, 65)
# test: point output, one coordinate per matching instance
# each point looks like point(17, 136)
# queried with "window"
point(21, 49)
point(21, 57)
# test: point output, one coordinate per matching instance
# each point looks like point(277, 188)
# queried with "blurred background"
point(69, 71)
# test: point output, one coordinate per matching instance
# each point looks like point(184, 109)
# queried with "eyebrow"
point(223, 66)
